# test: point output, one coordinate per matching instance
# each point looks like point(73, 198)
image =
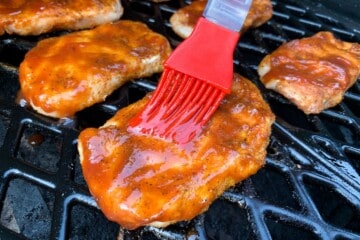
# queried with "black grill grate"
point(309, 188)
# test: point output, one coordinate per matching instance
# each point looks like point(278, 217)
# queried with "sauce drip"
point(36, 139)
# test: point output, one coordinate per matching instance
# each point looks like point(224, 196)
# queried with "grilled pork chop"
point(184, 19)
point(34, 17)
point(142, 180)
point(66, 74)
point(314, 72)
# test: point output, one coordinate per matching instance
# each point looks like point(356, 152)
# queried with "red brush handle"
point(207, 54)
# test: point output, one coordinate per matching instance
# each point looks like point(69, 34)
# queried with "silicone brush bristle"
point(179, 108)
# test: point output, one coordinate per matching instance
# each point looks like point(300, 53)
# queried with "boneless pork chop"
point(142, 180)
point(34, 17)
point(184, 19)
point(63, 75)
point(314, 72)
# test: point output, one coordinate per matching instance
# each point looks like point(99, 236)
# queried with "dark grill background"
point(309, 188)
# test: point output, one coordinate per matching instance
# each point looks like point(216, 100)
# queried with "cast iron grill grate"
point(309, 188)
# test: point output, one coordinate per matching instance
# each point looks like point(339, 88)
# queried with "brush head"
point(197, 76)
point(179, 108)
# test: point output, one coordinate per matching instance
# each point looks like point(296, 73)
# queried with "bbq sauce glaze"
point(139, 180)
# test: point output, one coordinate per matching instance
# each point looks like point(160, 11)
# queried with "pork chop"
point(34, 17)
point(313, 72)
point(63, 75)
point(142, 180)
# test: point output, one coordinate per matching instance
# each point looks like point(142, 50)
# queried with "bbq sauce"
point(138, 179)
point(36, 139)
point(320, 60)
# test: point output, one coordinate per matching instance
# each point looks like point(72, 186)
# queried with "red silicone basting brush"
point(196, 77)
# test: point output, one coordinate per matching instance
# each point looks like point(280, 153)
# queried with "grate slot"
point(82, 219)
point(226, 220)
point(27, 209)
point(334, 208)
point(280, 229)
point(39, 147)
point(280, 192)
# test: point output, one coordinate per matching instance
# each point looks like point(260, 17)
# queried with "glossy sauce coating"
point(13, 7)
point(316, 60)
point(66, 74)
point(141, 180)
point(312, 72)
point(34, 17)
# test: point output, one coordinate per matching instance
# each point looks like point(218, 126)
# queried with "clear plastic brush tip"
point(230, 14)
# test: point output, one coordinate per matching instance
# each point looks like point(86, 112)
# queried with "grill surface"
point(309, 188)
